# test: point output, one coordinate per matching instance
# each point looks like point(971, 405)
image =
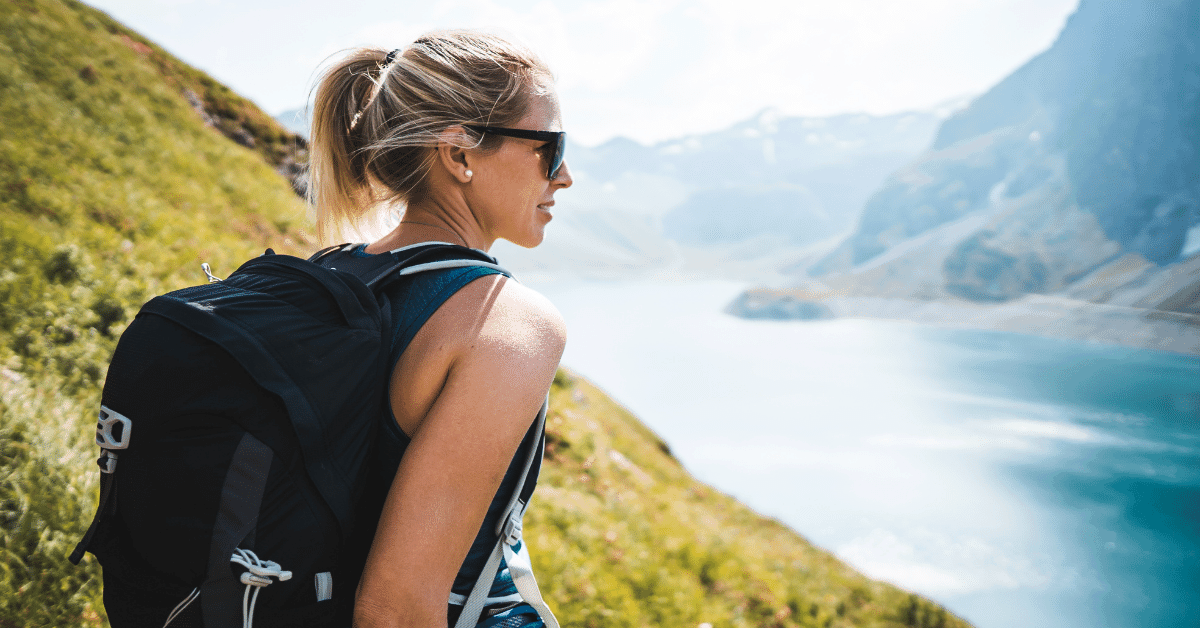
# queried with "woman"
point(462, 129)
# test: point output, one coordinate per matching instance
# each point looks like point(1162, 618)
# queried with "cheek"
point(528, 192)
point(534, 192)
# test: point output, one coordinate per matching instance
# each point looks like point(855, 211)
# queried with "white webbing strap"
point(473, 607)
point(459, 600)
point(519, 566)
point(522, 575)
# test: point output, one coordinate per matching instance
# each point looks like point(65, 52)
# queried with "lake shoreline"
point(1035, 315)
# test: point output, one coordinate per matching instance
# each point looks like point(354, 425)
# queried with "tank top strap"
point(415, 298)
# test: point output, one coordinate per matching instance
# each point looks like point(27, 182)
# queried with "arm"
point(495, 346)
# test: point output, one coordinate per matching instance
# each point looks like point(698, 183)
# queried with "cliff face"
point(1086, 155)
point(1120, 97)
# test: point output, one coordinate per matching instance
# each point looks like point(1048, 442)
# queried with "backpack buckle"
point(512, 528)
point(112, 430)
point(107, 461)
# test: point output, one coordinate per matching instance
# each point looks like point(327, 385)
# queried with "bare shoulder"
point(502, 361)
point(525, 311)
point(492, 334)
point(509, 317)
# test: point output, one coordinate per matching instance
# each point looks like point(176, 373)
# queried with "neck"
point(410, 225)
point(427, 222)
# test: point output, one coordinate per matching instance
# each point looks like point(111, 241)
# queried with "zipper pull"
point(208, 272)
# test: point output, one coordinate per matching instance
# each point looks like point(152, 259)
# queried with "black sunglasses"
point(555, 140)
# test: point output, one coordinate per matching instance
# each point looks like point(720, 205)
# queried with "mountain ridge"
point(1076, 177)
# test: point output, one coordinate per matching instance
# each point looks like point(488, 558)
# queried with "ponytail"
point(338, 176)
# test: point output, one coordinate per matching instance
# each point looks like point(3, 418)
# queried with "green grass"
point(47, 496)
point(114, 187)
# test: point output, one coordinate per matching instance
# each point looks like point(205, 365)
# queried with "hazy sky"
point(646, 69)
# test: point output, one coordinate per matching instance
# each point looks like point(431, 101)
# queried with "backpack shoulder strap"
point(315, 257)
point(377, 271)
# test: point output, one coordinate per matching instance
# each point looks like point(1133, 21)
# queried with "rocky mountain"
point(1076, 176)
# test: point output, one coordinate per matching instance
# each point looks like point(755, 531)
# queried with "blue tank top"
point(414, 298)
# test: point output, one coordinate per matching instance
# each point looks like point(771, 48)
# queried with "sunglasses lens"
point(556, 155)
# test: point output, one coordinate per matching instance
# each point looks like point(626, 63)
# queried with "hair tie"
point(387, 61)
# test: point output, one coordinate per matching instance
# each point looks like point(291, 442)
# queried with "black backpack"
point(236, 427)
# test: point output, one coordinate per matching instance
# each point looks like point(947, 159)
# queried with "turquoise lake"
point(1019, 481)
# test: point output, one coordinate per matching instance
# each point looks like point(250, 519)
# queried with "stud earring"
point(469, 174)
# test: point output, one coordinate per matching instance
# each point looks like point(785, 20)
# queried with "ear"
point(452, 156)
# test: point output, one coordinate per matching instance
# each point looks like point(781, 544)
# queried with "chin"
point(529, 240)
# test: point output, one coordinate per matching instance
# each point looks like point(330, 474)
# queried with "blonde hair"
point(377, 118)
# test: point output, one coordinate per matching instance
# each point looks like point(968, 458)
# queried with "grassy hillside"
point(116, 181)
point(121, 169)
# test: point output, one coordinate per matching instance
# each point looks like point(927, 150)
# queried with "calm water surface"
point(1020, 481)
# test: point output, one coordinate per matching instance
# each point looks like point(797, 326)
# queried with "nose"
point(563, 178)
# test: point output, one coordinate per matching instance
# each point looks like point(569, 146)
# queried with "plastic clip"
point(107, 461)
point(512, 528)
point(106, 436)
